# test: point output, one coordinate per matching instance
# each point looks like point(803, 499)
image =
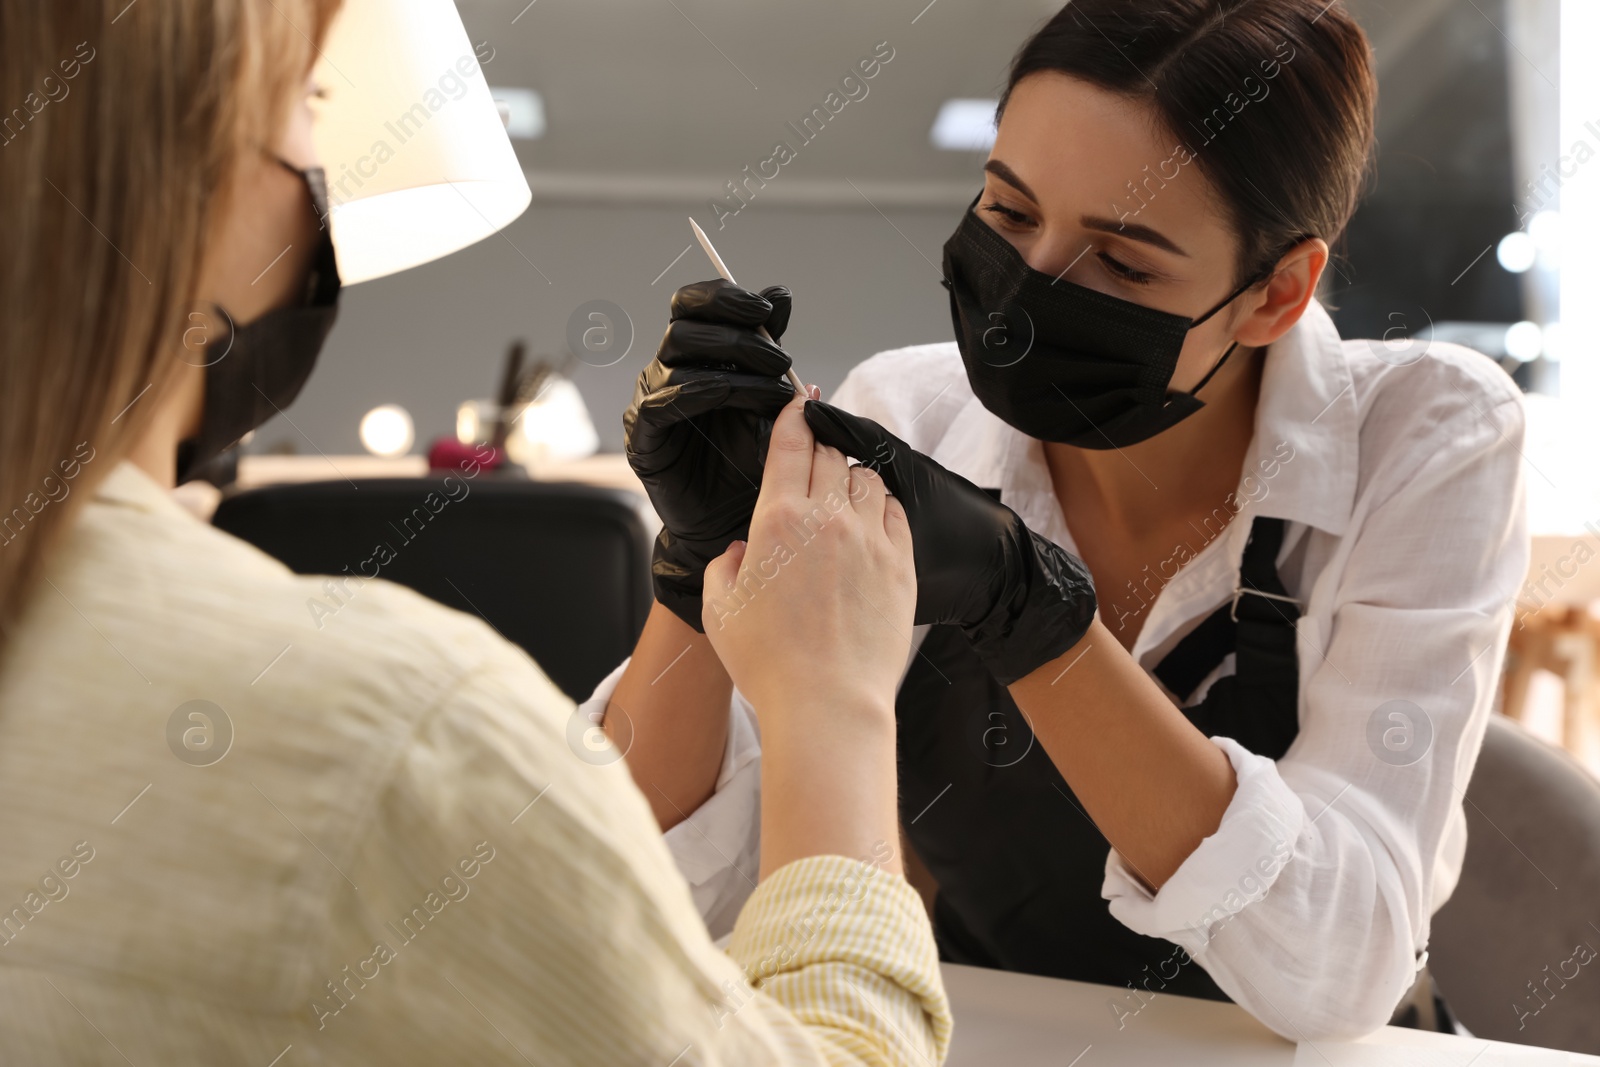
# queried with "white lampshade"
point(556, 426)
point(417, 158)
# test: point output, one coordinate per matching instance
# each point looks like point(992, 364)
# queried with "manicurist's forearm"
point(1154, 784)
point(670, 712)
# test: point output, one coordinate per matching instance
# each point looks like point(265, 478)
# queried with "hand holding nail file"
point(696, 432)
point(727, 276)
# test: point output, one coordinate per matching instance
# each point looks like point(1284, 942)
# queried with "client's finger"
point(830, 472)
point(868, 495)
point(788, 469)
point(896, 524)
point(860, 439)
point(722, 575)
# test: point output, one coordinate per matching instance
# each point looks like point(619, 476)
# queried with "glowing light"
point(1524, 341)
point(964, 125)
point(1517, 252)
point(387, 430)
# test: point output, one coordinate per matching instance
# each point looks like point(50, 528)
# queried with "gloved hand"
point(1021, 599)
point(696, 432)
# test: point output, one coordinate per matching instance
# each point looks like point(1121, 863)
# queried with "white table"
point(1018, 1020)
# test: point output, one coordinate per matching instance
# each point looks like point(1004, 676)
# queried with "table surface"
point(1017, 1020)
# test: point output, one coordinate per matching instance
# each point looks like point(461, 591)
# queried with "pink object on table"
point(447, 453)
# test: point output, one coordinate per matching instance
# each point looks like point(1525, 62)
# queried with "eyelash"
point(1116, 268)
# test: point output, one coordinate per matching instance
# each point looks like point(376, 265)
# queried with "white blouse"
point(1405, 544)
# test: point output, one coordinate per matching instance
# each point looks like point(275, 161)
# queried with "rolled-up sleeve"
point(1310, 905)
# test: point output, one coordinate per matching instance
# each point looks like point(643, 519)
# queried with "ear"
point(1287, 294)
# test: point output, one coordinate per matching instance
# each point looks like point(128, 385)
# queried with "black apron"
point(1018, 862)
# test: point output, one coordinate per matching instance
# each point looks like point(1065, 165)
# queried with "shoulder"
point(341, 660)
point(345, 664)
point(1444, 379)
point(1443, 404)
point(915, 392)
point(320, 696)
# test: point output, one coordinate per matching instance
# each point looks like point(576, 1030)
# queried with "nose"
point(1055, 254)
point(1049, 251)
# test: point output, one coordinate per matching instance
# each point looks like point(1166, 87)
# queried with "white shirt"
point(387, 838)
point(1405, 543)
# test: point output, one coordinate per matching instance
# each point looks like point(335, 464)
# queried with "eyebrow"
point(1006, 174)
point(1133, 231)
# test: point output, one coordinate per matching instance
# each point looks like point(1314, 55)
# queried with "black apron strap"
point(1200, 652)
point(1259, 704)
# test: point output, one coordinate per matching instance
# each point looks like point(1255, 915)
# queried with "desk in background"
point(609, 470)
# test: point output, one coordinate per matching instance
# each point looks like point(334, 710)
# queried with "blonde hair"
point(124, 125)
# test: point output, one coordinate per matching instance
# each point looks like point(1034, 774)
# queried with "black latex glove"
point(696, 433)
point(1021, 599)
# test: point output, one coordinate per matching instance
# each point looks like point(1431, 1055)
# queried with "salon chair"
point(563, 570)
point(1506, 949)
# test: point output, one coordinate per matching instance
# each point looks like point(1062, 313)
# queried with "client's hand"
point(812, 619)
point(1021, 599)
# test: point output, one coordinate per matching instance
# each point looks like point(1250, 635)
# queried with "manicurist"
point(1211, 601)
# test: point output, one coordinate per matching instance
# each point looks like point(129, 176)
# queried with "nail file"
point(722, 270)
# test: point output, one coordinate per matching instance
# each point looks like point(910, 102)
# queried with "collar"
point(129, 486)
point(1307, 434)
point(1308, 404)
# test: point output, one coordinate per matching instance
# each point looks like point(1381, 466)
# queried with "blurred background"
point(631, 115)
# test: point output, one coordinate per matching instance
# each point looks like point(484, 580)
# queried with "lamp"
point(417, 158)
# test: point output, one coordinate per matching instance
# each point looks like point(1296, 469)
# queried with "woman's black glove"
point(1021, 599)
point(696, 432)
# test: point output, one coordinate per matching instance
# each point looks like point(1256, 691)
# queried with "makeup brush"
point(508, 391)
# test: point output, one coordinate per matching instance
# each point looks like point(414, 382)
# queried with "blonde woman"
point(380, 848)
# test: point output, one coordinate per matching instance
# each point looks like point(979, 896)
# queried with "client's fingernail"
point(815, 391)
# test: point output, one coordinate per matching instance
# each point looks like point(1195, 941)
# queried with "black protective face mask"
point(255, 370)
point(1058, 361)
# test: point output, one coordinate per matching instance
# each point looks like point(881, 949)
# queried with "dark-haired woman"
point(1216, 600)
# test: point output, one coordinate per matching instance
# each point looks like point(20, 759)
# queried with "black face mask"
point(255, 370)
point(1058, 361)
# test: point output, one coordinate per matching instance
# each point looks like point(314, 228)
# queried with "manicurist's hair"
point(1273, 100)
point(126, 125)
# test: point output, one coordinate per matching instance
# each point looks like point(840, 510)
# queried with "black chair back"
point(562, 570)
